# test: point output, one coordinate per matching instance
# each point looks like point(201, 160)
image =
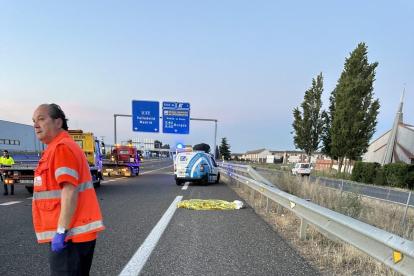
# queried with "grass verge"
point(329, 257)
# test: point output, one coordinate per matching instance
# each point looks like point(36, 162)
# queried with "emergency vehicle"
point(124, 161)
point(197, 167)
point(90, 146)
point(23, 173)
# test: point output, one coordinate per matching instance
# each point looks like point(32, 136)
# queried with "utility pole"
point(102, 138)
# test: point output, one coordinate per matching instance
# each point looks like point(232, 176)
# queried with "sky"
point(246, 64)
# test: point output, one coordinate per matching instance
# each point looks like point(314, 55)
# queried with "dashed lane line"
point(185, 186)
point(12, 202)
point(140, 257)
point(156, 170)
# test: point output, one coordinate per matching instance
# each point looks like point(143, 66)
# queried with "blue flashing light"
point(180, 146)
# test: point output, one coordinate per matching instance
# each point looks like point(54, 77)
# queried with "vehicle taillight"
point(175, 167)
point(202, 168)
point(9, 181)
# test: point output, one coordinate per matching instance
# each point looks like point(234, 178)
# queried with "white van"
point(302, 169)
point(196, 167)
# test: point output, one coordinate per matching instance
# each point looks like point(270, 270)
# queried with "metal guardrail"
point(392, 250)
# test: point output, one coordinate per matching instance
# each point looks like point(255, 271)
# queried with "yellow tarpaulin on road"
point(208, 204)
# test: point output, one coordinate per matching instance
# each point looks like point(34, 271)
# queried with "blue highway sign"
point(145, 116)
point(176, 118)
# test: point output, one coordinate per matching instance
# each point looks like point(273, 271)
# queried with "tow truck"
point(91, 147)
point(22, 173)
point(124, 161)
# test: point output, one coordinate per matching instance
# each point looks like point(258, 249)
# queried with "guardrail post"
point(267, 205)
point(303, 228)
point(405, 214)
point(262, 198)
point(253, 194)
point(279, 208)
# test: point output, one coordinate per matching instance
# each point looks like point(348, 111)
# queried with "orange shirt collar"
point(60, 136)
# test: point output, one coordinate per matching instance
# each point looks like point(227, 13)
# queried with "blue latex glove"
point(58, 243)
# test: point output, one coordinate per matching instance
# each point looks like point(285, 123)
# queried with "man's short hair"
point(6, 151)
point(55, 112)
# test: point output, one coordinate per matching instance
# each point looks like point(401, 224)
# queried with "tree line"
point(344, 130)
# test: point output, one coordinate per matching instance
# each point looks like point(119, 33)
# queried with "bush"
point(399, 174)
point(369, 170)
point(357, 170)
point(380, 178)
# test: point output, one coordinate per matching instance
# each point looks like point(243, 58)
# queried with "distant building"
point(324, 165)
point(258, 156)
point(234, 155)
point(278, 155)
point(395, 145)
point(294, 156)
point(16, 137)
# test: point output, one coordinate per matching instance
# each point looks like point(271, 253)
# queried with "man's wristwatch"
point(61, 230)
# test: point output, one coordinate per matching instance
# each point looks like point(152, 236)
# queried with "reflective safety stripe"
point(66, 170)
point(71, 232)
point(84, 186)
point(57, 193)
point(47, 195)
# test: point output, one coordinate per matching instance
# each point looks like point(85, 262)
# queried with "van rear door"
point(182, 160)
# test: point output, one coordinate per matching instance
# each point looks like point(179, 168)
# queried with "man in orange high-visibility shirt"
point(65, 207)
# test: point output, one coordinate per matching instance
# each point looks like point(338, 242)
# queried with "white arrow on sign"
point(155, 129)
point(175, 130)
point(136, 128)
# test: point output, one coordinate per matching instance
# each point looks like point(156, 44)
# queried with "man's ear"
point(59, 122)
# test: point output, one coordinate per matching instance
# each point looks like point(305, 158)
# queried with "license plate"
point(182, 173)
point(109, 170)
point(26, 181)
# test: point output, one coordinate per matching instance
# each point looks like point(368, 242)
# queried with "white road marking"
point(156, 170)
point(111, 180)
point(13, 202)
point(185, 186)
point(30, 198)
point(140, 257)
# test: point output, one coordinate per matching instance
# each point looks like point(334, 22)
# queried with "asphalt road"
point(389, 194)
point(236, 242)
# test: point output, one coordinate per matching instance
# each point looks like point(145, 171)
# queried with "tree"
point(355, 116)
point(308, 123)
point(157, 144)
point(217, 153)
point(224, 149)
point(204, 147)
point(326, 135)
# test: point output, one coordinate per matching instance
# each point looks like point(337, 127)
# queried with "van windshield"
point(305, 166)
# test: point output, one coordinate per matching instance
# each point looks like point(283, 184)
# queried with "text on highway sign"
point(176, 117)
point(145, 116)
